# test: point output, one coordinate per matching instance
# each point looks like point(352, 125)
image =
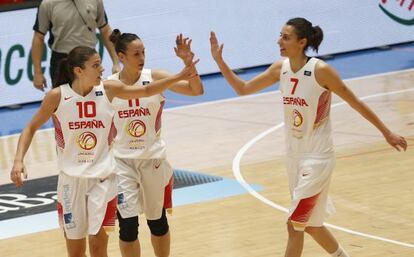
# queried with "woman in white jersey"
point(83, 117)
point(144, 175)
point(306, 84)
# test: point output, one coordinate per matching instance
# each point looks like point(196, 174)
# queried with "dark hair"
point(121, 40)
point(76, 58)
point(304, 29)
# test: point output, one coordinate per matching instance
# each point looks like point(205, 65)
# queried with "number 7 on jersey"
point(295, 82)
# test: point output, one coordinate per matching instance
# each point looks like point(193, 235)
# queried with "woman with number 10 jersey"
point(83, 115)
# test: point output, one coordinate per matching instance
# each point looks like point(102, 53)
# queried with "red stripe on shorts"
point(168, 194)
point(110, 215)
point(59, 208)
point(304, 209)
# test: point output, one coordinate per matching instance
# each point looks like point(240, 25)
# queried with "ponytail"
point(316, 38)
point(121, 40)
point(304, 29)
point(115, 35)
point(63, 75)
point(76, 58)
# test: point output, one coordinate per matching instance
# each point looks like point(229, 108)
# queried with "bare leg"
point(295, 242)
point(161, 245)
point(324, 238)
point(76, 247)
point(98, 244)
point(130, 249)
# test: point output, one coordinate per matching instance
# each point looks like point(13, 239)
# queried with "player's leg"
point(98, 244)
point(297, 223)
point(327, 241)
point(76, 247)
point(128, 236)
point(160, 235)
point(128, 193)
point(72, 213)
point(308, 181)
point(101, 204)
point(294, 245)
point(156, 189)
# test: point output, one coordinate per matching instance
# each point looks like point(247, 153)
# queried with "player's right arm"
point(118, 89)
point(270, 76)
point(47, 108)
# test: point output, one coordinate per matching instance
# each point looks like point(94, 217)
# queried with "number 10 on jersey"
point(86, 109)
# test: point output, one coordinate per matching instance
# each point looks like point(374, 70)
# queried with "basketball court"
point(241, 141)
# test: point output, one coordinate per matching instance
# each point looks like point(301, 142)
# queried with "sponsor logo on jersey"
point(86, 124)
point(99, 93)
point(289, 100)
point(136, 128)
point(398, 10)
point(307, 73)
point(157, 163)
point(133, 113)
point(145, 82)
point(67, 97)
point(87, 140)
point(297, 118)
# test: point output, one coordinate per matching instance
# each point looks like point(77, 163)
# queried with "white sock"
point(340, 252)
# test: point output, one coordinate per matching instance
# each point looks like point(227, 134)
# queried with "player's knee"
point(159, 227)
point(292, 229)
point(289, 227)
point(128, 228)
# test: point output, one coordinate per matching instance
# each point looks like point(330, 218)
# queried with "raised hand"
point(396, 141)
point(183, 49)
point(216, 49)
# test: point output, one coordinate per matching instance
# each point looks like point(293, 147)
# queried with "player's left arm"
point(192, 87)
point(327, 77)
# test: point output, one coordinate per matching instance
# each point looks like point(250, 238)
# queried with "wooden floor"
point(372, 188)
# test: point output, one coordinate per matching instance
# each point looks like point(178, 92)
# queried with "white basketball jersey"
point(84, 132)
point(138, 123)
point(306, 107)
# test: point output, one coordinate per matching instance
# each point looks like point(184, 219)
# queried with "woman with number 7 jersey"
point(306, 85)
point(83, 114)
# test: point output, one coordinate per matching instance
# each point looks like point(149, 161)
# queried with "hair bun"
point(115, 35)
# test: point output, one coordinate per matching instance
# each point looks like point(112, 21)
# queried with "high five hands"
point(216, 49)
point(183, 49)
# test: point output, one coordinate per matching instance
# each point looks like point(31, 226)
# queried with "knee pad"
point(159, 227)
point(128, 228)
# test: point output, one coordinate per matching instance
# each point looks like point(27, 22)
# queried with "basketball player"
point(83, 117)
point(306, 84)
point(144, 175)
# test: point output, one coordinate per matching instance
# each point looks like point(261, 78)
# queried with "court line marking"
point(242, 181)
